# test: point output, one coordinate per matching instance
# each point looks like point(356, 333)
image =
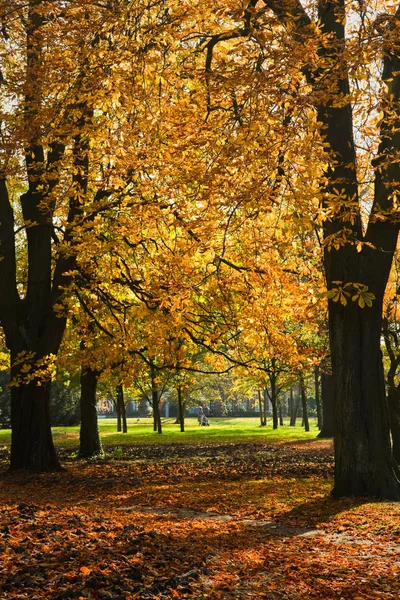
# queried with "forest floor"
point(211, 521)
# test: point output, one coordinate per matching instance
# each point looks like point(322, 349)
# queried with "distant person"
point(200, 414)
point(204, 421)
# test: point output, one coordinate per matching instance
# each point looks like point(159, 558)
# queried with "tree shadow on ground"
point(320, 510)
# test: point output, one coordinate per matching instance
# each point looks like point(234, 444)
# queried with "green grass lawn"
point(221, 430)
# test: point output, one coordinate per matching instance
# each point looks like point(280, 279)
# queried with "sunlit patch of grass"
point(221, 430)
point(228, 430)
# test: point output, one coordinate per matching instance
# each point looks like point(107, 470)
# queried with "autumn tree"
point(64, 69)
point(343, 80)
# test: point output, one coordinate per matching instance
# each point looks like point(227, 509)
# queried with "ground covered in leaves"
point(216, 522)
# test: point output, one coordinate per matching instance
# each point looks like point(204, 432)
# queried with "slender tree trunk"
point(89, 437)
point(318, 397)
point(181, 409)
point(122, 424)
point(155, 401)
point(296, 408)
point(263, 420)
point(291, 409)
point(304, 405)
point(274, 401)
point(280, 411)
point(157, 415)
point(124, 420)
point(265, 394)
point(119, 415)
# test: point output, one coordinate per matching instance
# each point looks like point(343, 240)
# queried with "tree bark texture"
point(328, 428)
point(32, 445)
point(364, 464)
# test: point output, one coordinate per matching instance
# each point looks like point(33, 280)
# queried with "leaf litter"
point(200, 522)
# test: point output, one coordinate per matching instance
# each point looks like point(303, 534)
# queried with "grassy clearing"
point(221, 430)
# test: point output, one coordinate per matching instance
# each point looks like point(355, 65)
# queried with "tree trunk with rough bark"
point(328, 419)
point(32, 445)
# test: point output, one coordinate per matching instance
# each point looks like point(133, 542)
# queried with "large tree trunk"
point(89, 438)
point(32, 445)
point(364, 464)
